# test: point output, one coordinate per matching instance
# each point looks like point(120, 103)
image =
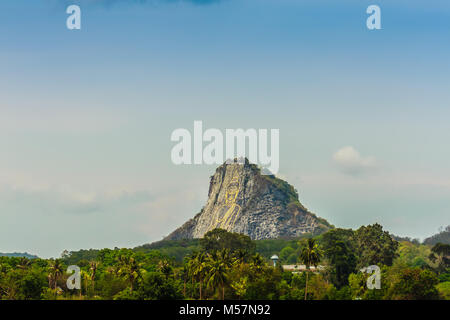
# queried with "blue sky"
point(86, 116)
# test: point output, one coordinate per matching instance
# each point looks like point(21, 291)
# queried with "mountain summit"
point(242, 200)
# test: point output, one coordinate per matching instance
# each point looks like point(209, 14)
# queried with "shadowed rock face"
point(242, 200)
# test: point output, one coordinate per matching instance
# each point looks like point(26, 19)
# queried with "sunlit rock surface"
point(242, 200)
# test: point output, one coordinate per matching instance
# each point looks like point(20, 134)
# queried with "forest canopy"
point(225, 265)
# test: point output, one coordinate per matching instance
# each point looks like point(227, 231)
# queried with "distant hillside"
point(179, 249)
point(408, 239)
point(18, 255)
point(176, 249)
point(442, 237)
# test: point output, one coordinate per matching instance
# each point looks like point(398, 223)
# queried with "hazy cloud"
point(350, 161)
point(46, 220)
point(53, 201)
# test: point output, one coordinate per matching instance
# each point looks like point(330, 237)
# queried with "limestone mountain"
point(242, 200)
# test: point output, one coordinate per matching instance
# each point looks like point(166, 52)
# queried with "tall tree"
point(414, 284)
point(217, 266)
point(339, 249)
point(199, 269)
point(310, 255)
point(189, 263)
point(257, 263)
point(55, 270)
point(86, 277)
point(219, 239)
point(164, 267)
point(93, 269)
point(23, 263)
point(440, 254)
point(130, 269)
point(375, 246)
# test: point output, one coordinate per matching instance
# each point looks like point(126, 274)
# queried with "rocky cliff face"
point(242, 200)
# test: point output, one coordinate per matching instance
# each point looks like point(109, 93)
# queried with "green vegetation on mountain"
point(294, 203)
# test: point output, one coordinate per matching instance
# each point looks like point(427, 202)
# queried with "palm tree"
point(23, 263)
point(198, 265)
point(164, 267)
point(84, 275)
point(240, 255)
point(55, 269)
point(257, 263)
point(310, 255)
point(218, 266)
point(190, 267)
point(93, 268)
point(130, 269)
point(185, 273)
point(227, 257)
point(111, 270)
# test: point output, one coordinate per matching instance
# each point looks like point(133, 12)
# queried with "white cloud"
point(350, 161)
